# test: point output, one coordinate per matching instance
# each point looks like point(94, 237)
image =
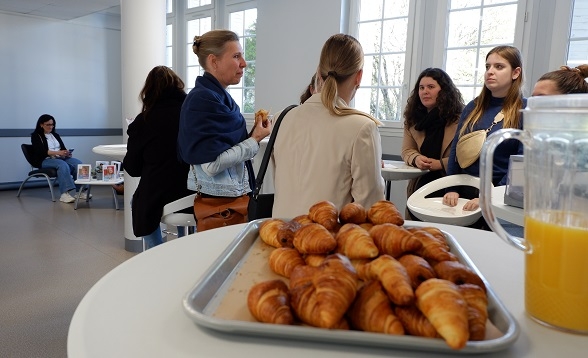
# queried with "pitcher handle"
point(486, 164)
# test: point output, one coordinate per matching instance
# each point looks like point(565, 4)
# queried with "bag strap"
point(268, 152)
point(497, 119)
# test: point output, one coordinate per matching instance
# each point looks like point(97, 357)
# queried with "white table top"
point(506, 212)
point(399, 170)
point(116, 151)
point(136, 309)
point(100, 182)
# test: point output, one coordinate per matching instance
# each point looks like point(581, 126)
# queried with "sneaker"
point(66, 198)
point(84, 195)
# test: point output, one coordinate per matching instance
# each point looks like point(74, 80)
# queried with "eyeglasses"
point(49, 125)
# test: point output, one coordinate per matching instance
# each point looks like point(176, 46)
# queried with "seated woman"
point(498, 106)
point(563, 81)
point(50, 152)
point(430, 120)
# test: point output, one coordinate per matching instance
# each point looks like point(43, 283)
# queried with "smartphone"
point(71, 150)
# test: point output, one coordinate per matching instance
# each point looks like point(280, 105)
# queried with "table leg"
point(388, 188)
point(115, 198)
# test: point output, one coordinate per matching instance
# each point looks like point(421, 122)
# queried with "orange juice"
point(556, 269)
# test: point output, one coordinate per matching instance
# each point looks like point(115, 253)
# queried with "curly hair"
point(449, 99)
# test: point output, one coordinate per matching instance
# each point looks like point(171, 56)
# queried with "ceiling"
point(61, 9)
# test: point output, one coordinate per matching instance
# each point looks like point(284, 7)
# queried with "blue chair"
point(48, 173)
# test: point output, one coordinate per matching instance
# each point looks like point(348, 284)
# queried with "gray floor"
point(50, 256)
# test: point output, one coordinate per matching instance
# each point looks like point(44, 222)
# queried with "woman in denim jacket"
point(213, 136)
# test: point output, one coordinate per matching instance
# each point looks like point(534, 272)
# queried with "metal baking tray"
point(218, 301)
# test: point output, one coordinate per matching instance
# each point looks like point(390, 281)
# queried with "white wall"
point(68, 70)
point(290, 35)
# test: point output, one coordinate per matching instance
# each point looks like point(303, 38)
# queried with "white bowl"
point(433, 210)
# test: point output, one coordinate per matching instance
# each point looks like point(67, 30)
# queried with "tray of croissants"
point(358, 276)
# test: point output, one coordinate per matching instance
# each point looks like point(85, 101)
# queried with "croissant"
point(417, 268)
point(393, 240)
point(394, 279)
point(261, 116)
point(384, 211)
point(434, 233)
point(414, 322)
point(314, 239)
point(477, 302)
point(440, 301)
point(283, 260)
point(286, 233)
point(303, 219)
point(355, 243)
point(431, 248)
point(353, 213)
point(323, 301)
point(371, 311)
point(324, 213)
point(302, 275)
point(314, 259)
point(269, 302)
point(367, 226)
point(268, 231)
point(361, 267)
point(458, 273)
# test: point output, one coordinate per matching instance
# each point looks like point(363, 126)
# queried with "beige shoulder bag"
point(469, 146)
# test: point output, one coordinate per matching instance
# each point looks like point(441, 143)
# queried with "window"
point(474, 28)
point(578, 38)
point(194, 27)
point(189, 18)
point(400, 38)
point(243, 23)
point(383, 32)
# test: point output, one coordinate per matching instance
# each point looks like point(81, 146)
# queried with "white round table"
point(398, 170)
point(136, 309)
point(118, 152)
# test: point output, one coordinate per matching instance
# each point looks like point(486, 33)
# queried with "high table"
point(118, 152)
point(398, 170)
point(136, 309)
point(506, 212)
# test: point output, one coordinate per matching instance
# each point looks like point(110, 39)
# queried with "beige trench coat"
point(318, 156)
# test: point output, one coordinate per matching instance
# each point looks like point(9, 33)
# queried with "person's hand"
point(450, 199)
point(63, 153)
point(472, 205)
point(261, 130)
point(423, 163)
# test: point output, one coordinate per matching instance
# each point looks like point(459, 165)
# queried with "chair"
point(433, 209)
point(185, 223)
point(48, 173)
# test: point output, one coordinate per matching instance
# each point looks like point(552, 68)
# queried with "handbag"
point(469, 146)
point(214, 212)
point(261, 205)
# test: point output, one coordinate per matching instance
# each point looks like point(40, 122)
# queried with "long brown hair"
point(341, 58)
point(159, 80)
point(513, 101)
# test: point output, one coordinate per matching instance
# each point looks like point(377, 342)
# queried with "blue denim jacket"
point(227, 175)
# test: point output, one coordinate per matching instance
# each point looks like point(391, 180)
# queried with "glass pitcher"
point(555, 138)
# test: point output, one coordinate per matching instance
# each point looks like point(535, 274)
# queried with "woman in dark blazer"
point(151, 153)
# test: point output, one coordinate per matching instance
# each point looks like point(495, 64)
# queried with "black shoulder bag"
point(261, 205)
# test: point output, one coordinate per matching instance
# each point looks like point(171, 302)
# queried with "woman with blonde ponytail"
point(325, 149)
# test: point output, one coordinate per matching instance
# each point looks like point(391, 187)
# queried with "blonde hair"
point(513, 101)
point(212, 43)
point(341, 58)
point(568, 79)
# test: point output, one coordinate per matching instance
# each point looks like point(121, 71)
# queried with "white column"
point(143, 25)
